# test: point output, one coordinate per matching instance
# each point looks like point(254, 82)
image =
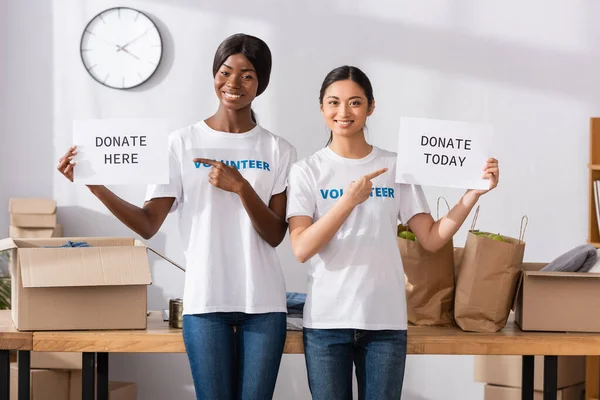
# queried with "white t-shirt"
point(229, 267)
point(357, 280)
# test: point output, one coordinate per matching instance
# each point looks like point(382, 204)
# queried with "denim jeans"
point(379, 357)
point(228, 365)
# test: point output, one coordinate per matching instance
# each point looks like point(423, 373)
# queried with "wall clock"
point(121, 48)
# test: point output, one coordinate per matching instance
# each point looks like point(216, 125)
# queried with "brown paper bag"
point(487, 281)
point(458, 253)
point(429, 281)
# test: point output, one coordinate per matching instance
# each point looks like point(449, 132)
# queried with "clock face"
point(121, 48)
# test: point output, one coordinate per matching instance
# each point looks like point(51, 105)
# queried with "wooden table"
point(12, 339)
point(95, 346)
point(509, 341)
point(159, 338)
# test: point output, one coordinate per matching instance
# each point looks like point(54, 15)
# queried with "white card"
point(443, 153)
point(121, 151)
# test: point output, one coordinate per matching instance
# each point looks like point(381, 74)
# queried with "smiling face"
point(345, 108)
point(236, 82)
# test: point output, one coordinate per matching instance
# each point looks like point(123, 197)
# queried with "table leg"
point(88, 376)
point(102, 376)
point(24, 377)
point(527, 378)
point(4, 374)
point(550, 377)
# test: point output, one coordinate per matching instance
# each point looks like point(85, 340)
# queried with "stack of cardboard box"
point(502, 376)
point(102, 286)
point(57, 376)
point(33, 218)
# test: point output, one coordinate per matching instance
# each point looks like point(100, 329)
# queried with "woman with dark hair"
point(343, 211)
point(228, 182)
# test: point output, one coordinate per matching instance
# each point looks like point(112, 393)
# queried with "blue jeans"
point(379, 357)
point(228, 365)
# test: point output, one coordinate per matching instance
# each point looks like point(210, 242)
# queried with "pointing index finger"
point(375, 174)
point(206, 161)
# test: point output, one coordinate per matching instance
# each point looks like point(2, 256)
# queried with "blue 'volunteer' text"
point(241, 164)
point(375, 192)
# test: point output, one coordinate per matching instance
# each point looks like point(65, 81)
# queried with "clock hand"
point(133, 40)
point(107, 42)
point(128, 52)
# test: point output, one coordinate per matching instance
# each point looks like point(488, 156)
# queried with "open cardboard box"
point(103, 286)
point(557, 301)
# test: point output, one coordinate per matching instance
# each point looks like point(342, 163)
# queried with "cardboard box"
point(99, 287)
point(507, 393)
point(116, 390)
point(56, 360)
point(507, 371)
point(32, 212)
point(45, 384)
point(538, 308)
point(28, 233)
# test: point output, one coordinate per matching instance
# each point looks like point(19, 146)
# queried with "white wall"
point(26, 113)
point(529, 68)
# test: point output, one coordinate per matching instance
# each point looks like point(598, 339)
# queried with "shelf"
point(591, 382)
point(593, 236)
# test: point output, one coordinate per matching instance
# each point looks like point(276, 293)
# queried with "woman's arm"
point(269, 221)
point(145, 221)
point(434, 235)
point(309, 238)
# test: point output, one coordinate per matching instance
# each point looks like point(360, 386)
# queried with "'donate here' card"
point(121, 151)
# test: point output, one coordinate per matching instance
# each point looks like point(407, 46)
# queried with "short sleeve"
point(301, 200)
point(175, 186)
point(412, 202)
point(283, 170)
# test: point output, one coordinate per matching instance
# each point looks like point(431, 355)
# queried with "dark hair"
point(255, 50)
point(343, 73)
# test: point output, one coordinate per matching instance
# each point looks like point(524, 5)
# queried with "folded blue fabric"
point(295, 302)
point(294, 323)
point(578, 259)
point(70, 244)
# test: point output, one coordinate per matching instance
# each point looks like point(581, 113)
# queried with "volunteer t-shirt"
point(229, 267)
point(357, 280)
